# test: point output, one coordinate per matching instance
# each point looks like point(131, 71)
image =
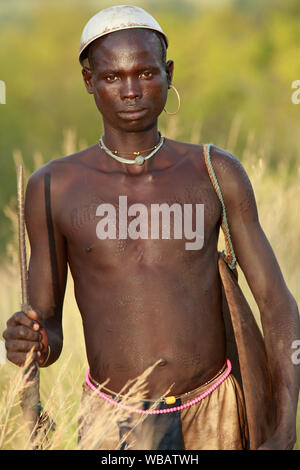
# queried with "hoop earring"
point(179, 102)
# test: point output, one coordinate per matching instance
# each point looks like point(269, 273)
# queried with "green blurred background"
point(235, 61)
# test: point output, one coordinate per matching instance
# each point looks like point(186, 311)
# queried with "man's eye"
point(146, 74)
point(111, 78)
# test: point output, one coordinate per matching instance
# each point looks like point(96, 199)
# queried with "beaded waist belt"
point(166, 410)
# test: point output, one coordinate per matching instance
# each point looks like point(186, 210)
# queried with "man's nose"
point(130, 89)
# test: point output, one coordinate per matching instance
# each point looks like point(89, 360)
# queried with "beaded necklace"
point(139, 159)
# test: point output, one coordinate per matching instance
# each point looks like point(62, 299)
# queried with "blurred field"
point(278, 197)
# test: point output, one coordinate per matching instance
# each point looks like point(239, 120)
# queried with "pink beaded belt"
point(166, 410)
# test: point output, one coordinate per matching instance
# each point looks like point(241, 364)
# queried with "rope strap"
point(229, 251)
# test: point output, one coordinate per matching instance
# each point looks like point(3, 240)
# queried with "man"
point(146, 300)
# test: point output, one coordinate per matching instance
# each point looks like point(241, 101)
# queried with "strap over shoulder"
point(230, 257)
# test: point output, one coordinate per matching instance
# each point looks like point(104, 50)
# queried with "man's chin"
point(137, 125)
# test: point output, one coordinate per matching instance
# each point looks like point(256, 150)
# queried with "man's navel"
point(88, 248)
point(162, 363)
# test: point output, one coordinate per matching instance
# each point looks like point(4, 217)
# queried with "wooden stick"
point(30, 394)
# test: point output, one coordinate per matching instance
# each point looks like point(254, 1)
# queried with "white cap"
point(117, 18)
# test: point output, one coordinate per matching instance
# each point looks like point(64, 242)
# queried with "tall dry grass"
point(278, 195)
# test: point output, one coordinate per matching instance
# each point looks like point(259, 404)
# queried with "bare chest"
point(152, 216)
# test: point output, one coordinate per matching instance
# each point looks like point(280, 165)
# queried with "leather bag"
point(245, 345)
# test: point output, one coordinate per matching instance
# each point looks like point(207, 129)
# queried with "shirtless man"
point(146, 300)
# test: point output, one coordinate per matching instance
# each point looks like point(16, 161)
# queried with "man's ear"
point(88, 80)
point(170, 71)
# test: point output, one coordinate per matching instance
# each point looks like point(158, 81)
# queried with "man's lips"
point(132, 113)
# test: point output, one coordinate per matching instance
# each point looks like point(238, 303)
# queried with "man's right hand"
point(25, 332)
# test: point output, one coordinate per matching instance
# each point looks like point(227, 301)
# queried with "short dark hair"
point(163, 46)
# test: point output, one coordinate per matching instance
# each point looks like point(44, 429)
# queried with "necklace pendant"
point(139, 160)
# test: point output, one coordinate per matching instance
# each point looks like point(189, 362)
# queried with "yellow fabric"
point(218, 422)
